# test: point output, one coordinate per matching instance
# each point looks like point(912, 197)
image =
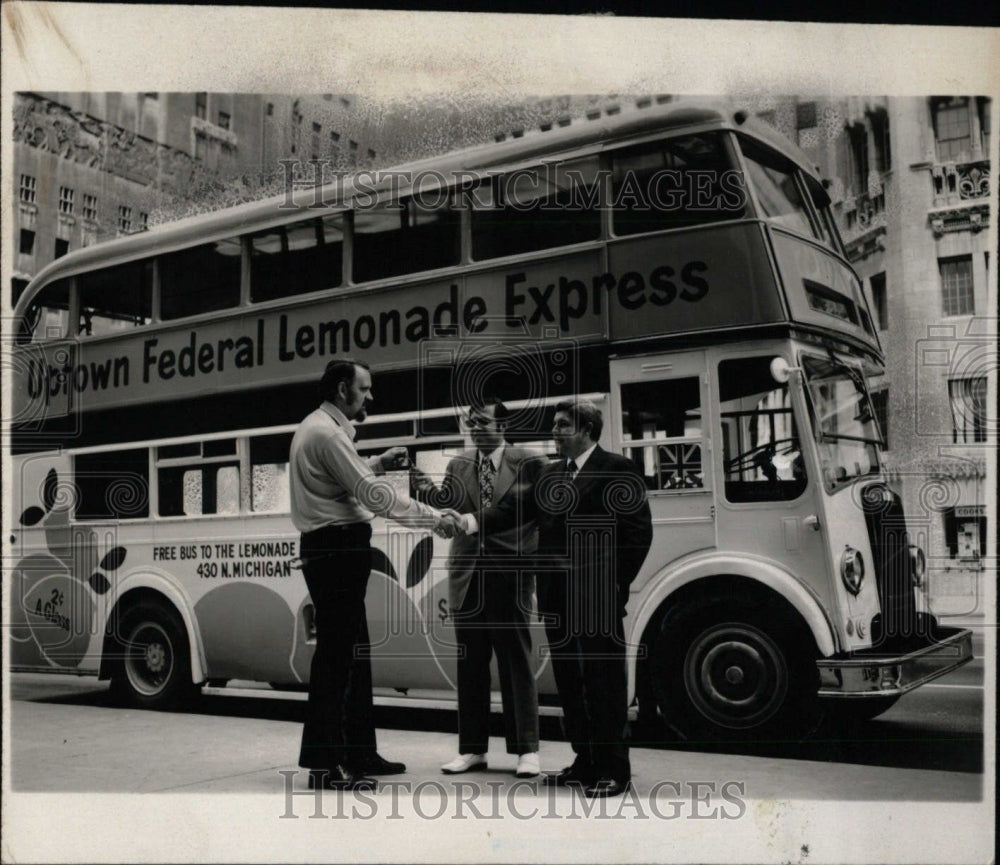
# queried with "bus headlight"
point(852, 569)
point(918, 565)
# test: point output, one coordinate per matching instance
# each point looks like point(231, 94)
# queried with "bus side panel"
point(56, 585)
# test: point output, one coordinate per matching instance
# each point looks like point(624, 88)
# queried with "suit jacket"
point(513, 543)
point(608, 496)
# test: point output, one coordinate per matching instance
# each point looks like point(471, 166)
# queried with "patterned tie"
point(486, 475)
point(571, 469)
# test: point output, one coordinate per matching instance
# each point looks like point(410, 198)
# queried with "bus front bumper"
point(878, 673)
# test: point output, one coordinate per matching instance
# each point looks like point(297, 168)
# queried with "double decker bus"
point(677, 263)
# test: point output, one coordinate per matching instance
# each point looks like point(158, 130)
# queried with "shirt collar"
point(339, 418)
point(582, 458)
point(494, 457)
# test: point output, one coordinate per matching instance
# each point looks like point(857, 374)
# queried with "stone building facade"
point(910, 183)
point(93, 166)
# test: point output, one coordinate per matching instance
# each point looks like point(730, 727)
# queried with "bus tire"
point(725, 670)
point(152, 667)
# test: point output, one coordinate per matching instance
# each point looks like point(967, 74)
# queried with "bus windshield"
point(845, 422)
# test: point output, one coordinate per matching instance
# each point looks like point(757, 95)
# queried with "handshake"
point(451, 523)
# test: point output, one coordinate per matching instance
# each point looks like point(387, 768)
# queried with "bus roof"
point(646, 117)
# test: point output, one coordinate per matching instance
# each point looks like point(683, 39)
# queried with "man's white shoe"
point(464, 763)
point(528, 766)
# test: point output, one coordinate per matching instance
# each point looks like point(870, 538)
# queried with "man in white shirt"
point(334, 496)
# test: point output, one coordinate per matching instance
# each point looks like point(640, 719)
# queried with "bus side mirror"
point(781, 372)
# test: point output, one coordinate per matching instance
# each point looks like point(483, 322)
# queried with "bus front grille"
point(890, 543)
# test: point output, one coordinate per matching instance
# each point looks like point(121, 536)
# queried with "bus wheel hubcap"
point(736, 675)
point(149, 658)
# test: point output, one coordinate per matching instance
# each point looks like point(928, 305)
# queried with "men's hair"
point(338, 371)
point(584, 414)
point(500, 411)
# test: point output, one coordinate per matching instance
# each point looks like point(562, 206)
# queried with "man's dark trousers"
point(586, 639)
point(338, 728)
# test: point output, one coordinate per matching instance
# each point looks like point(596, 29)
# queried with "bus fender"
point(663, 584)
point(167, 585)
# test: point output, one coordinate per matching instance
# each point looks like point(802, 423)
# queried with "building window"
point(28, 189)
point(805, 115)
point(334, 136)
point(62, 247)
point(956, 285)
point(880, 402)
point(27, 242)
point(968, 409)
point(201, 106)
point(151, 95)
point(66, 196)
point(90, 207)
point(143, 221)
point(858, 138)
point(352, 146)
point(316, 128)
point(270, 109)
point(880, 132)
point(879, 301)
point(965, 531)
point(371, 153)
point(200, 148)
point(124, 218)
point(952, 128)
point(223, 120)
point(984, 123)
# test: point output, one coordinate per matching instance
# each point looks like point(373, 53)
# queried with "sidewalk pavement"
point(81, 747)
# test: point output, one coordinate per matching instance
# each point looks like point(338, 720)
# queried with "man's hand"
point(394, 458)
point(451, 524)
point(421, 482)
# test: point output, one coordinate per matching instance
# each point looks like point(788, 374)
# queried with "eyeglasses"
point(471, 420)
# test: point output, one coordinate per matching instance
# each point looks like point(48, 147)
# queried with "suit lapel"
point(505, 476)
point(591, 468)
point(469, 478)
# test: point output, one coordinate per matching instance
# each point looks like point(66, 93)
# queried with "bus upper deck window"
point(296, 259)
point(115, 298)
point(537, 208)
point(48, 314)
point(407, 236)
point(675, 183)
point(201, 279)
point(773, 181)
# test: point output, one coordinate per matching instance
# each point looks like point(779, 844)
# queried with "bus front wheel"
point(727, 671)
point(153, 663)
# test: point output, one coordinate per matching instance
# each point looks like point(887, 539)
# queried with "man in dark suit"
point(594, 531)
point(490, 585)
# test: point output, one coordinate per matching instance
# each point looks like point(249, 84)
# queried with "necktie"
point(571, 469)
point(486, 475)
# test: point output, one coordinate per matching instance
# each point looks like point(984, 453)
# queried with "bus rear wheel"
point(724, 671)
point(153, 667)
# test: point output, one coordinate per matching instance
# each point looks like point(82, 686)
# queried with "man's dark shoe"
point(374, 764)
point(340, 778)
point(576, 774)
point(604, 787)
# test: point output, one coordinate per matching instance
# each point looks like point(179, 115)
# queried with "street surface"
point(65, 735)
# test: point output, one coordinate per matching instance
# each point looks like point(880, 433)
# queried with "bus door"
point(767, 503)
point(660, 421)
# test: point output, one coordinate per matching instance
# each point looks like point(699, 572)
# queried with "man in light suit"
point(490, 586)
point(594, 531)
